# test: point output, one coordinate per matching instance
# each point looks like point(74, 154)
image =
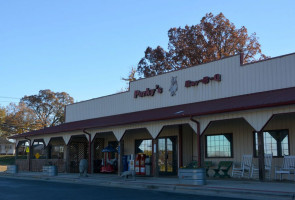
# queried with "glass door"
point(167, 156)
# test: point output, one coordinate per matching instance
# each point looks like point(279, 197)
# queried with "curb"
point(174, 188)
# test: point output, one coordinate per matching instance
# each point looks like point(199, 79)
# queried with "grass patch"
point(7, 159)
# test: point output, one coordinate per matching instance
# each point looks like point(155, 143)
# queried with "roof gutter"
point(198, 139)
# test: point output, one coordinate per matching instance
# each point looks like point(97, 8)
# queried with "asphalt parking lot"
point(17, 189)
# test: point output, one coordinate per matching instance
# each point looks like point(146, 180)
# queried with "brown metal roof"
point(237, 103)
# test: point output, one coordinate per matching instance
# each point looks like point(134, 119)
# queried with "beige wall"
point(108, 137)
point(130, 137)
point(236, 80)
point(243, 137)
point(189, 140)
point(284, 121)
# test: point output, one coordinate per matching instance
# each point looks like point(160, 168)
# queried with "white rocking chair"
point(267, 167)
point(244, 168)
point(287, 168)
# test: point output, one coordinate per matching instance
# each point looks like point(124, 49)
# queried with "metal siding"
point(169, 131)
point(243, 137)
point(130, 137)
point(195, 147)
point(284, 121)
point(187, 145)
point(236, 80)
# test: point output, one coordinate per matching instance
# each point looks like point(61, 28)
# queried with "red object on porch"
point(137, 164)
point(142, 164)
point(106, 166)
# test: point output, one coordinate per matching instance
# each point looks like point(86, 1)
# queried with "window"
point(38, 150)
point(276, 142)
point(143, 146)
point(219, 146)
point(22, 150)
point(56, 148)
point(57, 152)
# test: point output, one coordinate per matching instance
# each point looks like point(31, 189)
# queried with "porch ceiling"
point(238, 103)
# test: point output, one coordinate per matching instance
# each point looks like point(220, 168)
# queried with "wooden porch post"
point(67, 157)
point(261, 156)
point(92, 157)
point(155, 171)
point(16, 151)
point(30, 155)
point(180, 133)
point(120, 156)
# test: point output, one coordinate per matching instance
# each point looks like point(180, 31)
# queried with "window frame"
point(136, 140)
point(54, 142)
point(231, 146)
point(55, 154)
point(254, 142)
point(43, 152)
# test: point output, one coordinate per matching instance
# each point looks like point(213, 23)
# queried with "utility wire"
point(9, 97)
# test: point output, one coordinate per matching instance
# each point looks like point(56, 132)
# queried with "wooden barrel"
point(12, 169)
point(192, 176)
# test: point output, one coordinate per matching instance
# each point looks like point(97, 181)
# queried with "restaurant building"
point(217, 111)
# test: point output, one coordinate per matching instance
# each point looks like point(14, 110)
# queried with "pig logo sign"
point(174, 86)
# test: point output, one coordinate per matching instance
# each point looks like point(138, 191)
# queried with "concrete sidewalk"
point(244, 188)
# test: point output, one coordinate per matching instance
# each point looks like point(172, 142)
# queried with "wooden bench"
point(223, 166)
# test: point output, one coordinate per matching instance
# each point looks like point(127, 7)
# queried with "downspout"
point(199, 139)
point(89, 150)
point(29, 152)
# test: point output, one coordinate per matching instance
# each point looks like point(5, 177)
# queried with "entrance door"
point(167, 156)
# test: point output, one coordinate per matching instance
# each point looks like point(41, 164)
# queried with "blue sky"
point(85, 47)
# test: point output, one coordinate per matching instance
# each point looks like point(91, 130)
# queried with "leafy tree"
point(18, 119)
point(2, 115)
point(2, 119)
point(131, 77)
point(155, 61)
point(48, 106)
point(213, 38)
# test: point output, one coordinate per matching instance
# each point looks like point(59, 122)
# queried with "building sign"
point(204, 80)
point(148, 92)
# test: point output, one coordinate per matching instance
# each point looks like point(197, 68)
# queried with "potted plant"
point(192, 174)
point(50, 169)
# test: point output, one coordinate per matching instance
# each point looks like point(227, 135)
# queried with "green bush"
point(192, 165)
point(7, 159)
